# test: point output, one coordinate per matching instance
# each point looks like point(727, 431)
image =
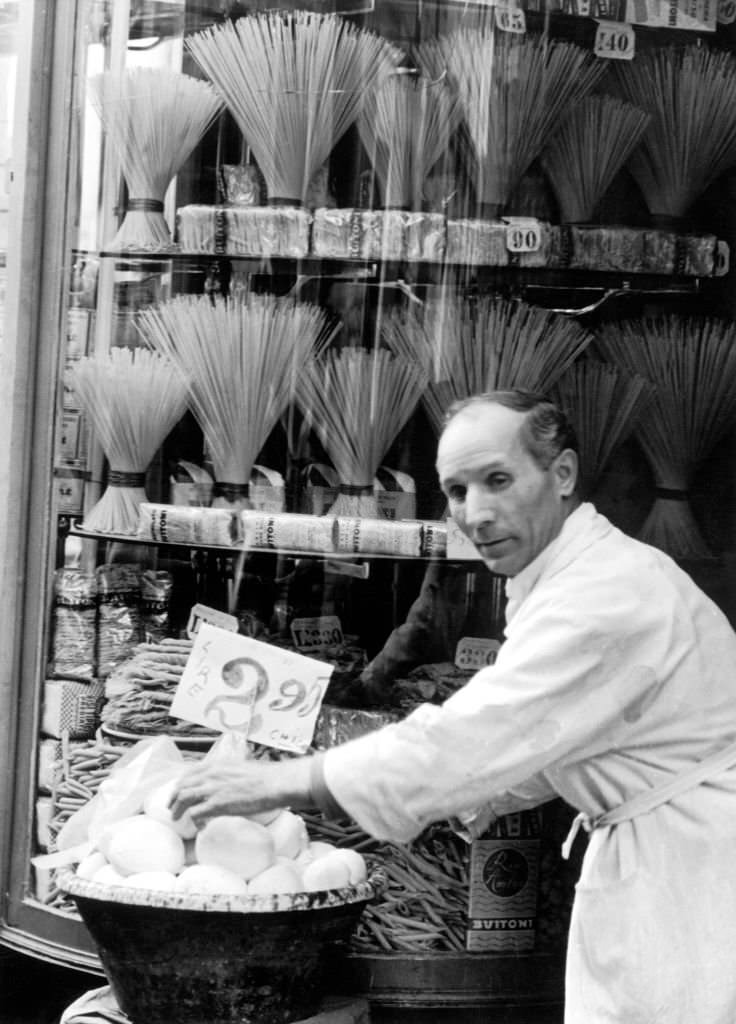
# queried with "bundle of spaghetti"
point(153, 117)
point(357, 401)
point(587, 152)
point(295, 83)
point(474, 345)
point(133, 399)
point(405, 127)
point(604, 405)
point(690, 94)
point(241, 359)
point(514, 91)
point(423, 903)
point(691, 363)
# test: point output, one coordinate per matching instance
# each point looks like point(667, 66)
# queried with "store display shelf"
point(235, 549)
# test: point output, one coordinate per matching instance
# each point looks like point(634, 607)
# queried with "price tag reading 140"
point(614, 40)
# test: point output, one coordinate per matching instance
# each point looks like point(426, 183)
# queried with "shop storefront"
point(254, 250)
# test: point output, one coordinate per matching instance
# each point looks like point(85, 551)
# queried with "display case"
point(283, 240)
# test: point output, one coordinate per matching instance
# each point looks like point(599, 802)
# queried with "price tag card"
point(315, 635)
point(458, 545)
point(726, 14)
point(614, 40)
point(203, 613)
point(510, 19)
point(475, 652)
point(233, 682)
point(523, 234)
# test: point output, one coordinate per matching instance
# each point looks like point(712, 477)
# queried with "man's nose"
point(479, 508)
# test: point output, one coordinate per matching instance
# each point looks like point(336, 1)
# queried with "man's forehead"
point(480, 433)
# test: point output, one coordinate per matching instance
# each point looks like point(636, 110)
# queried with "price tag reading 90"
point(614, 40)
point(523, 234)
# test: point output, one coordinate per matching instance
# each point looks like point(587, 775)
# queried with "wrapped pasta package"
point(71, 707)
point(378, 536)
point(321, 488)
point(288, 531)
point(245, 230)
point(638, 250)
point(395, 493)
point(266, 489)
point(426, 236)
point(359, 234)
point(119, 618)
point(73, 648)
point(178, 524)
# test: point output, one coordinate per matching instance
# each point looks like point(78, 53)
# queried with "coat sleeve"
point(574, 671)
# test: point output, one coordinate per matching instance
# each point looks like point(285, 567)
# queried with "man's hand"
point(209, 791)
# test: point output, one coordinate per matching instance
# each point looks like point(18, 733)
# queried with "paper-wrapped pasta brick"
point(359, 234)
point(179, 524)
point(245, 230)
point(426, 236)
point(71, 707)
point(378, 536)
point(288, 531)
point(476, 242)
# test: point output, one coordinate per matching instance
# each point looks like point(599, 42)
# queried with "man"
point(617, 676)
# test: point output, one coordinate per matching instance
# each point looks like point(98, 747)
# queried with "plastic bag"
point(146, 765)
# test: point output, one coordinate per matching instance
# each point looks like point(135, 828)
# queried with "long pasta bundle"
point(294, 83)
point(475, 345)
point(604, 405)
point(514, 91)
point(405, 127)
point(691, 363)
point(242, 361)
point(690, 95)
point(591, 146)
point(133, 399)
point(153, 118)
point(357, 401)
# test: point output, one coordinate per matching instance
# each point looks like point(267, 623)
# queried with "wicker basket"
point(199, 959)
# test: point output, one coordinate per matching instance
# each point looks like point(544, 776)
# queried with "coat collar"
point(582, 528)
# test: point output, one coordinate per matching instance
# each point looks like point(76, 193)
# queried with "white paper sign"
point(510, 19)
point(458, 545)
point(475, 652)
point(523, 234)
point(315, 633)
point(203, 613)
point(233, 682)
point(614, 40)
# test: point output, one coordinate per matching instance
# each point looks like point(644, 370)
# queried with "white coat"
point(617, 673)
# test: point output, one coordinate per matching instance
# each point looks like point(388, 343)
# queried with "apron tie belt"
point(716, 762)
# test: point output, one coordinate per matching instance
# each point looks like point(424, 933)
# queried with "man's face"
point(498, 495)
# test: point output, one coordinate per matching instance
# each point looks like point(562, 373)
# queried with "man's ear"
point(566, 472)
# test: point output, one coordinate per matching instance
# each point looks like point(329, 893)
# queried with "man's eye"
point(455, 492)
point(497, 480)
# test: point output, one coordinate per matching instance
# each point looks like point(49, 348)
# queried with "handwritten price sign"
point(232, 682)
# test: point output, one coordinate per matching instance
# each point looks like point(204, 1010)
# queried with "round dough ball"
point(91, 864)
point(328, 872)
point(144, 844)
point(355, 864)
point(282, 877)
point(210, 880)
point(107, 875)
point(289, 833)
point(154, 881)
point(236, 843)
point(156, 805)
